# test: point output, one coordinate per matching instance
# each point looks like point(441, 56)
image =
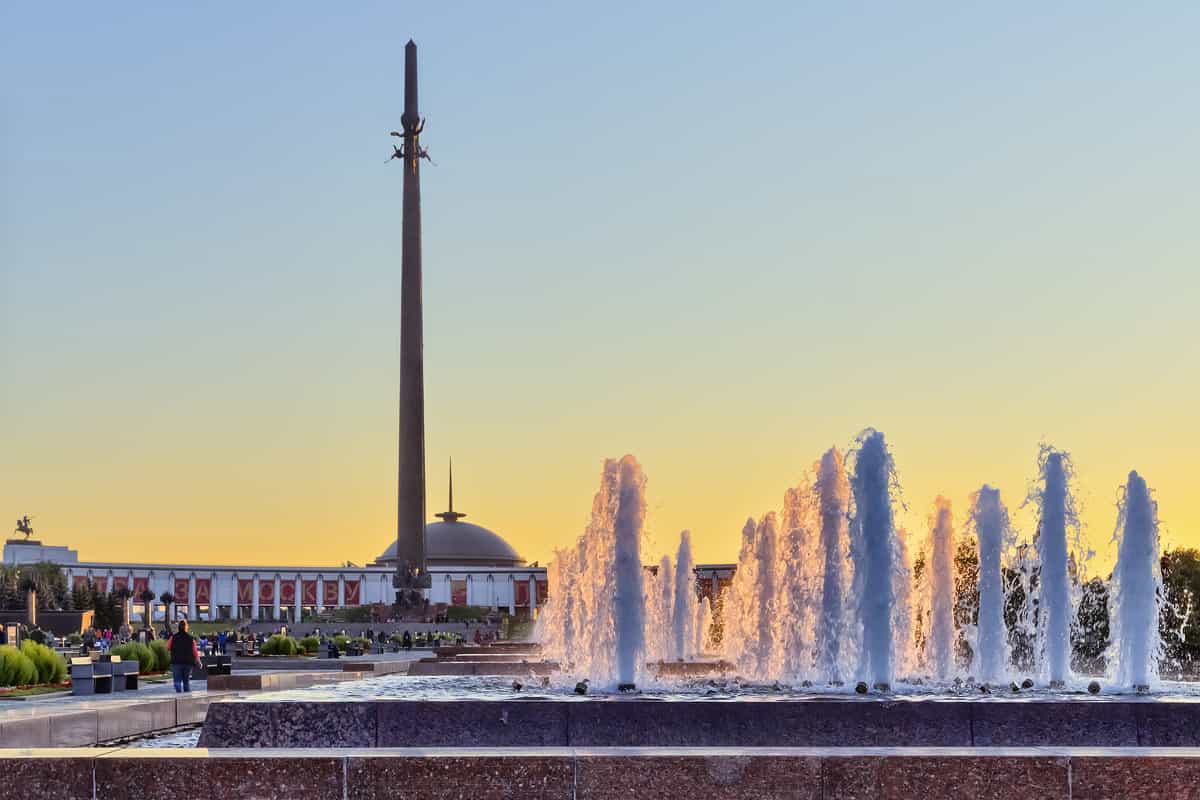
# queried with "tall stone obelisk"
point(410, 517)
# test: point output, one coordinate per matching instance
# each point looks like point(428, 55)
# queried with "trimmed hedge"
point(280, 646)
point(310, 644)
point(51, 667)
point(16, 668)
point(136, 651)
point(162, 656)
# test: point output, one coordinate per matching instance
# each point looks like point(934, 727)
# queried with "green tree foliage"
point(966, 597)
point(1090, 634)
point(48, 580)
point(310, 644)
point(1179, 622)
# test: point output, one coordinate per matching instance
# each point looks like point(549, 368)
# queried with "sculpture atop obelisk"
point(411, 574)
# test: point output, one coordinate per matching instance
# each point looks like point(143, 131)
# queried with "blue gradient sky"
point(722, 239)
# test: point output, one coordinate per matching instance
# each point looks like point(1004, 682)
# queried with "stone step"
point(612, 773)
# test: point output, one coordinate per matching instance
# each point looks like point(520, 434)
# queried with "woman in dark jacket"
point(184, 656)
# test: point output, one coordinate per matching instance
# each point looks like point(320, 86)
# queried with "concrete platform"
point(608, 773)
point(610, 722)
point(89, 722)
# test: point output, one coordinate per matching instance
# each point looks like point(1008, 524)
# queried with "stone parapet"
point(604, 773)
point(612, 722)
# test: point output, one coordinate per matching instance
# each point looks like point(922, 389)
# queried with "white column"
point(254, 599)
point(299, 601)
point(320, 594)
point(212, 597)
point(192, 614)
point(341, 591)
point(276, 610)
point(512, 596)
point(491, 590)
point(470, 590)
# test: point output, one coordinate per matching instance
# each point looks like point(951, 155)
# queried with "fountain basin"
point(616, 721)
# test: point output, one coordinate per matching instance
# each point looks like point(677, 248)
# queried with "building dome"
point(455, 543)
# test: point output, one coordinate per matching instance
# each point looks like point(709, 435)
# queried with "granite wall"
point(1099, 722)
point(604, 773)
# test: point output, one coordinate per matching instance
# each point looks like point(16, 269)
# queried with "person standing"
point(184, 656)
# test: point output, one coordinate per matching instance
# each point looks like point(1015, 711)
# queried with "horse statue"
point(24, 527)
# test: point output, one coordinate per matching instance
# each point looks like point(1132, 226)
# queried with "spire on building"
point(451, 515)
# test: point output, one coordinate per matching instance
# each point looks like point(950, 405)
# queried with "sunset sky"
point(722, 240)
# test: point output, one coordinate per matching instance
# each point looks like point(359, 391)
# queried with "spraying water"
point(660, 591)
point(989, 518)
point(941, 632)
point(1137, 587)
point(833, 491)
point(1057, 511)
point(683, 618)
point(873, 548)
point(763, 649)
point(629, 601)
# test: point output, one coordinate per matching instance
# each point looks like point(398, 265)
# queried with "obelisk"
point(410, 517)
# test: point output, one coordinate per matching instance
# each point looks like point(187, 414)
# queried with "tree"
point(10, 588)
point(1090, 634)
point(1179, 620)
point(966, 596)
point(48, 580)
point(168, 600)
point(147, 597)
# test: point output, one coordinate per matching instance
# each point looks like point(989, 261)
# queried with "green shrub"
point(162, 656)
point(136, 651)
point(310, 644)
point(51, 668)
point(280, 646)
point(75, 640)
point(341, 641)
point(15, 668)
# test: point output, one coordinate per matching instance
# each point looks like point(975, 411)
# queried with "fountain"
point(833, 492)
point(683, 619)
point(831, 556)
point(1054, 592)
point(989, 518)
point(1137, 588)
point(941, 633)
point(874, 549)
point(629, 602)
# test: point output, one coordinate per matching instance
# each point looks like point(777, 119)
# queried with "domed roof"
point(452, 542)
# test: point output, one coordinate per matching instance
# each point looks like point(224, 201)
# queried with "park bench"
point(87, 679)
point(217, 665)
point(124, 673)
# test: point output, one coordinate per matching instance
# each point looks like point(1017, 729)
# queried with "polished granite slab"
point(620, 773)
point(613, 722)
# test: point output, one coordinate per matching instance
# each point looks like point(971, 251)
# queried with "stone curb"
point(602, 773)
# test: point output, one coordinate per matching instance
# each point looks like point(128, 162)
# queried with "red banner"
point(245, 594)
point(522, 593)
point(309, 591)
point(140, 585)
point(331, 593)
point(543, 591)
point(353, 595)
point(120, 583)
point(266, 592)
point(458, 593)
point(181, 591)
point(287, 593)
point(203, 591)
point(79, 582)
point(101, 585)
